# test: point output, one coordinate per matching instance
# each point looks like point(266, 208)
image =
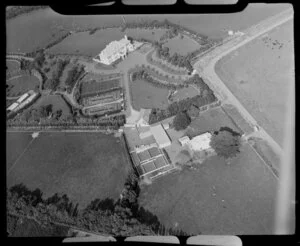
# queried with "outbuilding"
point(160, 136)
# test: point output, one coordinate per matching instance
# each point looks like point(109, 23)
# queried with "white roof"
point(21, 98)
point(115, 46)
point(201, 142)
point(13, 106)
point(159, 134)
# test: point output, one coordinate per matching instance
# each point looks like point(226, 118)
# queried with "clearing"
point(265, 68)
point(85, 166)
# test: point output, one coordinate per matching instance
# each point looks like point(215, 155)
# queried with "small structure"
point(200, 142)
point(230, 32)
point(160, 136)
point(184, 140)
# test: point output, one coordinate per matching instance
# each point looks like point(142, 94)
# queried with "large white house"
point(115, 50)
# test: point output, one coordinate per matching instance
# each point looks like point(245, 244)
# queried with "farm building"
point(184, 140)
point(13, 106)
point(22, 98)
point(200, 142)
point(161, 137)
point(115, 50)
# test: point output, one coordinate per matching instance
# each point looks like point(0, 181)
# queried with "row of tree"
point(184, 105)
point(121, 218)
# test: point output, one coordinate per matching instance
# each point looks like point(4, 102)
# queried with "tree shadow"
point(228, 129)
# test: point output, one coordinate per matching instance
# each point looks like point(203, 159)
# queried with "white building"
point(184, 140)
point(160, 136)
point(12, 107)
point(22, 98)
point(200, 142)
point(115, 50)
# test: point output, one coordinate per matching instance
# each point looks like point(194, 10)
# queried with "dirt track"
point(206, 68)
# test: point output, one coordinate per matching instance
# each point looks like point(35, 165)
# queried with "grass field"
point(12, 65)
point(56, 101)
point(21, 85)
point(265, 72)
point(85, 166)
point(36, 29)
point(210, 120)
point(216, 198)
point(181, 46)
point(149, 34)
point(85, 44)
point(145, 95)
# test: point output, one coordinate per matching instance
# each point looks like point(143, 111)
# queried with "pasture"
point(20, 85)
point(265, 72)
point(215, 198)
point(85, 44)
point(181, 46)
point(36, 29)
point(145, 95)
point(85, 166)
point(148, 34)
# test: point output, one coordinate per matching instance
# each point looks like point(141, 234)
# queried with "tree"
point(225, 143)
point(193, 111)
point(181, 121)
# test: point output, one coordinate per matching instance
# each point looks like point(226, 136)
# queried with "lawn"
point(265, 72)
point(210, 120)
point(216, 198)
point(145, 95)
point(185, 93)
point(181, 46)
point(85, 166)
point(57, 103)
point(22, 84)
point(85, 44)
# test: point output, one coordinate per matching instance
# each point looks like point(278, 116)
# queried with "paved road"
point(206, 68)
